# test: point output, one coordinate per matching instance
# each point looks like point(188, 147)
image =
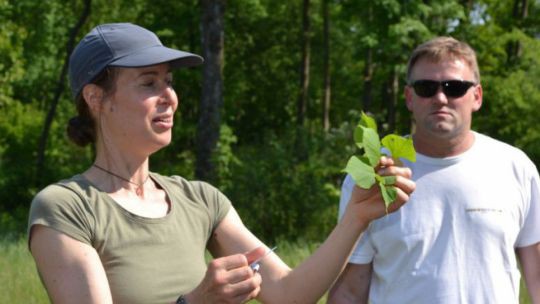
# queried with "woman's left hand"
point(368, 204)
point(229, 280)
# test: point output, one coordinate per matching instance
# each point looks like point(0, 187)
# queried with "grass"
point(19, 281)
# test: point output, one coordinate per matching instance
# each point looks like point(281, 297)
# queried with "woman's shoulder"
point(185, 185)
point(63, 189)
point(64, 206)
point(195, 191)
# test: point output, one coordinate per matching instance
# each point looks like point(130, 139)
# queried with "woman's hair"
point(442, 48)
point(81, 129)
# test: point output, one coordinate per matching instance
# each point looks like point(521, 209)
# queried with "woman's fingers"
point(405, 184)
point(385, 162)
point(401, 198)
point(395, 171)
point(246, 289)
point(255, 254)
point(230, 280)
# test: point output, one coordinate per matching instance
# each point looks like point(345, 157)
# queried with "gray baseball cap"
point(121, 45)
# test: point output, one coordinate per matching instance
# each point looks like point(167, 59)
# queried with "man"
point(476, 204)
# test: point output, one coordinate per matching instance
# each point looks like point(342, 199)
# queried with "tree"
point(326, 66)
point(58, 91)
point(212, 89)
point(304, 71)
point(519, 14)
point(369, 67)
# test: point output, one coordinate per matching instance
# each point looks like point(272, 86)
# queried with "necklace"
point(138, 191)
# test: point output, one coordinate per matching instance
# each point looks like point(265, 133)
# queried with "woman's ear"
point(93, 96)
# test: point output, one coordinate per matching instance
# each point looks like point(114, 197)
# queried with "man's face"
point(441, 116)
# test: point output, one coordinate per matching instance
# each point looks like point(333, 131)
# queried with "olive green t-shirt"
point(147, 260)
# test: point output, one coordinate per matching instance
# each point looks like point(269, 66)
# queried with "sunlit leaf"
point(400, 147)
point(362, 173)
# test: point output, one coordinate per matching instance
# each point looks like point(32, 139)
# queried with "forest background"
point(269, 118)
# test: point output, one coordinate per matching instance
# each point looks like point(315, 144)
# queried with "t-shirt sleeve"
point(217, 203)
point(530, 231)
point(63, 210)
point(363, 252)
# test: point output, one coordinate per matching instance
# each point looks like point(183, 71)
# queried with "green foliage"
point(256, 156)
point(11, 46)
point(224, 158)
point(19, 128)
point(278, 197)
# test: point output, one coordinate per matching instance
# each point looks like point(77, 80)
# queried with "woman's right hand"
point(229, 279)
point(368, 204)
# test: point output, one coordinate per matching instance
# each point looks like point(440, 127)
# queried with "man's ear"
point(408, 92)
point(93, 96)
point(477, 103)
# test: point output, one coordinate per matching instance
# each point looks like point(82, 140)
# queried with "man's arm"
point(530, 263)
point(352, 286)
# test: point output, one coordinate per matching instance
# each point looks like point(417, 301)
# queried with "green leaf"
point(368, 121)
point(362, 173)
point(389, 194)
point(372, 145)
point(359, 136)
point(400, 147)
point(389, 180)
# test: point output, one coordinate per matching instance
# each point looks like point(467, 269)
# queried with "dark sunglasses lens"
point(425, 88)
point(456, 88)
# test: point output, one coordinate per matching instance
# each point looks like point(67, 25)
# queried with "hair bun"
point(81, 131)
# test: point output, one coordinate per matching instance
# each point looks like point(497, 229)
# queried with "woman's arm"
point(310, 280)
point(70, 270)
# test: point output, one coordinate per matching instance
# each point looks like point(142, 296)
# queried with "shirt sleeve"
point(363, 252)
point(530, 231)
point(61, 209)
point(217, 203)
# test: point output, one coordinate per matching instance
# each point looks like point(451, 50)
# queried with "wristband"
point(181, 300)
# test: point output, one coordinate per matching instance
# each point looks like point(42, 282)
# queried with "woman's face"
point(138, 115)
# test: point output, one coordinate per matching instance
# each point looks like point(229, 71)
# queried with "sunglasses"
point(451, 88)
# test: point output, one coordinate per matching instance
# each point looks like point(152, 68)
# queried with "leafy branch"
point(362, 168)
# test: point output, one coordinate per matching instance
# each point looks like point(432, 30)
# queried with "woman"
point(118, 232)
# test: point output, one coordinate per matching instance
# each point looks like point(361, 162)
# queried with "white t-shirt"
point(454, 241)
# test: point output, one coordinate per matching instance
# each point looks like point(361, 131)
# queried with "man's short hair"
point(441, 48)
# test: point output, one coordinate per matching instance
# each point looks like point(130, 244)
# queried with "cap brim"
point(156, 55)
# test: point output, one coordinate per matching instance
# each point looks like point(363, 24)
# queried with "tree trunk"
point(42, 146)
point(212, 31)
point(368, 81)
point(368, 73)
point(393, 100)
point(519, 13)
point(467, 4)
point(326, 63)
point(304, 75)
